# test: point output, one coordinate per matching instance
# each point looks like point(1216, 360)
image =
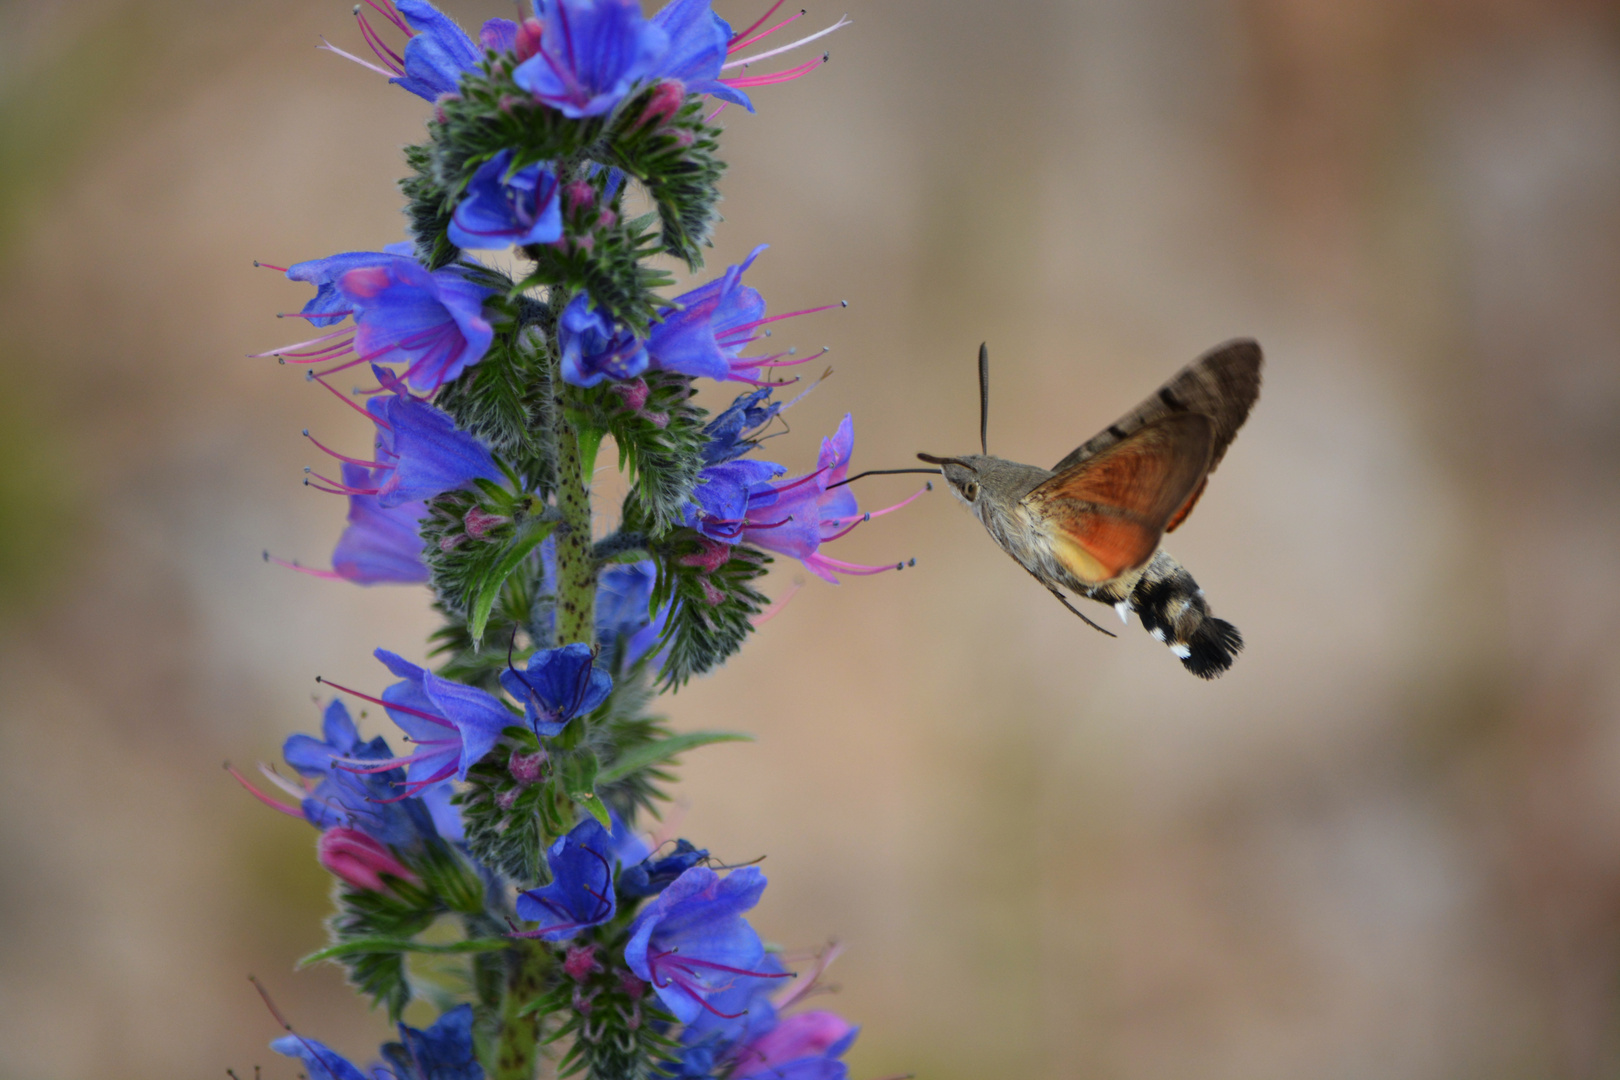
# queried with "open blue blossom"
point(592, 53)
point(322, 1061)
point(653, 875)
point(503, 207)
point(581, 891)
point(451, 725)
point(732, 433)
point(701, 333)
point(594, 349)
point(626, 627)
point(692, 942)
point(739, 1013)
point(442, 1052)
point(328, 306)
point(425, 451)
point(379, 544)
point(698, 42)
point(438, 53)
point(558, 685)
point(432, 322)
point(343, 798)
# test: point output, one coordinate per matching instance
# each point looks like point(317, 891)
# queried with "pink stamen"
point(710, 118)
point(776, 607)
point(411, 787)
point(342, 489)
point(319, 356)
point(315, 376)
point(735, 45)
point(261, 796)
point(330, 575)
point(389, 12)
point(441, 721)
point(373, 766)
point(344, 457)
point(779, 50)
point(779, 318)
point(791, 484)
point(807, 980)
point(303, 344)
point(267, 266)
point(870, 514)
point(270, 774)
point(378, 46)
point(757, 23)
point(789, 75)
point(829, 563)
point(331, 48)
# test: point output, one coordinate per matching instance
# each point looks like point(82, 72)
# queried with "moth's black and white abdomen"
point(1173, 610)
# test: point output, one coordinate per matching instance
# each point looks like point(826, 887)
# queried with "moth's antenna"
point(984, 399)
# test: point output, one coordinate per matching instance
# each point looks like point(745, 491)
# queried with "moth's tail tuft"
point(1173, 610)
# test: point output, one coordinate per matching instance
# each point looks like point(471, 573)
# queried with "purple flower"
point(581, 894)
point(322, 1062)
point(651, 876)
point(438, 53)
point(504, 207)
point(442, 1052)
point(692, 943)
point(559, 685)
point(592, 53)
point(805, 1046)
point(380, 544)
point(698, 43)
point(593, 349)
point(343, 798)
point(626, 628)
point(732, 433)
point(451, 725)
point(702, 332)
point(328, 306)
point(424, 451)
point(431, 322)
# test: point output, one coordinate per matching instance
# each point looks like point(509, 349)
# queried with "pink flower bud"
point(528, 39)
point(715, 596)
point(356, 858)
point(713, 556)
point(526, 768)
point(634, 392)
point(479, 523)
point(666, 100)
point(578, 194)
point(633, 987)
point(580, 962)
point(808, 1034)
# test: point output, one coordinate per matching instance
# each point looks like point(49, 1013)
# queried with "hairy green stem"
point(518, 1052)
point(576, 568)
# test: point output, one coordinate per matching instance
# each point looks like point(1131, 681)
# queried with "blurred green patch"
point(42, 523)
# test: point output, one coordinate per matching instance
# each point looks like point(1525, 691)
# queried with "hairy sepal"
point(713, 610)
point(507, 399)
point(660, 446)
point(676, 160)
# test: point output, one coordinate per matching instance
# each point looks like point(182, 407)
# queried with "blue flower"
point(345, 798)
point(730, 434)
point(423, 451)
point(592, 53)
point(698, 41)
point(626, 627)
point(702, 332)
point(380, 544)
point(431, 322)
point(328, 306)
point(503, 207)
point(581, 894)
point(559, 685)
point(442, 1052)
point(651, 876)
point(451, 725)
point(593, 349)
point(322, 1062)
point(437, 55)
point(498, 35)
point(692, 943)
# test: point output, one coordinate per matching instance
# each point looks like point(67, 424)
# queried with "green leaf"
point(357, 946)
point(652, 753)
point(527, 538)
point(595, 806)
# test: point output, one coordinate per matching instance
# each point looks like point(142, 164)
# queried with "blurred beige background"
point(1387, 844)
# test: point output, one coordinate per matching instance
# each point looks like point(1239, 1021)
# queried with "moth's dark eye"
point(970, 490)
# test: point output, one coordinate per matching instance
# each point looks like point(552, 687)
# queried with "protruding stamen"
point(331, 48)
point(764, 33)
point(330, 575)
point(315, 376)
point(777, 605)
point(746, 81)
point(755, 25)
point(267, 266)
point(344, 457)
point(441, 721)
point(842, 22)
point(261, 796)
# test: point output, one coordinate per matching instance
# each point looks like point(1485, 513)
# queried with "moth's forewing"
point(1105, 515)
point(1222, 385)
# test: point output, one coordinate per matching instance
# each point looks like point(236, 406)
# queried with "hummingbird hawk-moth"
point(1092, 523)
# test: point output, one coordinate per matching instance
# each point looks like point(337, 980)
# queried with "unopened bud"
point(580, 962)
point(578, 194)
point(356, 858)
point(633, 987)
point(478, 522)
point(713, 556)
point(528, 39)
point(634, 392)
point(526, 768)
point(665, 101)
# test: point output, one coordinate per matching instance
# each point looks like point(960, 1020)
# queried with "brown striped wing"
point(1105, 515)
point(1221, 385)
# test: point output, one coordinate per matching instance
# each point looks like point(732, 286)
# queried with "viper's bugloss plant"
point(503, 836)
